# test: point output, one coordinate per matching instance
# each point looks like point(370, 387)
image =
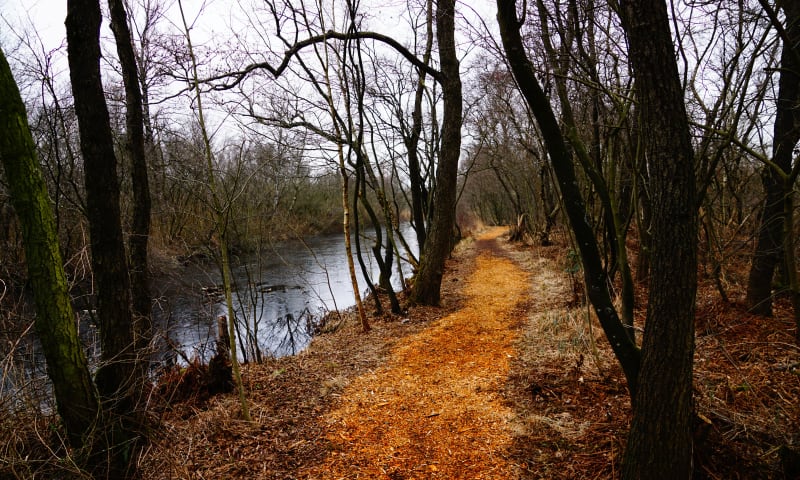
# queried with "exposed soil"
point(505, 380)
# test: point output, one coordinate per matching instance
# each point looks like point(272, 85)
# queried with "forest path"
point(435, 409)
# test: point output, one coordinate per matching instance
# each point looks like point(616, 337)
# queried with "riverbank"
point(279, 294)
point(533, 392)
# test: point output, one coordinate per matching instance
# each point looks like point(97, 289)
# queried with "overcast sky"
point(47, 16)
point(223, 23)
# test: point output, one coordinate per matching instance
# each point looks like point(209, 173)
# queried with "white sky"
point(219, 22)
point(47, 16)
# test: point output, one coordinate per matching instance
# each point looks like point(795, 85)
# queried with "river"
point(278, 294)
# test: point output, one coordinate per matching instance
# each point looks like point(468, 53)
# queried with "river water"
point(278, 295)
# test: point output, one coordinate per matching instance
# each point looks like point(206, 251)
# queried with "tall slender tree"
point(222, 212)
point(595, 276)
point(75, 395)
point(115, 379)
point(428, 283)
point(135, 142)
point(419, 194)
point(660, 441)
point(776, 176)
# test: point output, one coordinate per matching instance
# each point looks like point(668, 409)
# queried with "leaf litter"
point(507, 379)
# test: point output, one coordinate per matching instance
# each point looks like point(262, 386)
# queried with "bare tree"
point(439, 242)
point(75, 394)
point(595, 276)
point(116, 379)
point(140, 229)
point(669, 329)
point(221, 211)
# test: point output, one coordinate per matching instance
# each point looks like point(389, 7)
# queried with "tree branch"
point(235, 78)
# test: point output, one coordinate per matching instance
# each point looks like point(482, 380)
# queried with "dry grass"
point(565, 386)
point(506, 380)
point(573, 406)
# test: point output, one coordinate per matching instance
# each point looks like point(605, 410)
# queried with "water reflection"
point(278, 296)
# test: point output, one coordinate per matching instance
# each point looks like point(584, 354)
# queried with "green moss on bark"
point(75, 394)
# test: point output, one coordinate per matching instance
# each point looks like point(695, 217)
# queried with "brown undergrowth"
point(506, 380)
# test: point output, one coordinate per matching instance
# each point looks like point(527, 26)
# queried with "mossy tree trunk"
point(76, 397)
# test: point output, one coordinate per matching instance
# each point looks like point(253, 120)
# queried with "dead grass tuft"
point(498, 383)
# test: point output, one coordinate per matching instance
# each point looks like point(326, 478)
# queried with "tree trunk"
point(360, 195)
point(564, 170)
point(221, 215)
point(769, 248)
point(351, 268)
point(438, 244)
point(115, 378)
point(419, 194)
point(222, 230)
point(140, 228)
point(76, 398)
point(660, 441)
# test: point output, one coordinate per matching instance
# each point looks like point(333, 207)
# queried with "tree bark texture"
point(438, 244)
point(115, 378)
point(786, 134)
point(660, 441)
point(76, 398)
point(564, 170)
point(140, 227)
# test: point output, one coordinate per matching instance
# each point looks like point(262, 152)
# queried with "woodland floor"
point(510, 378)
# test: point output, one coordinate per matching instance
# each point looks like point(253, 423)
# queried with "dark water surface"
point(278, 295)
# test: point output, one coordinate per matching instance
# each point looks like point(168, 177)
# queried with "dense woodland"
point(663, 136)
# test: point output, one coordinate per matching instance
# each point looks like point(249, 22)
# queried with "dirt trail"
point(511, 383)
point(434, 409)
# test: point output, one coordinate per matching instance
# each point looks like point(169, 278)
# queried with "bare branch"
point(235, 78)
